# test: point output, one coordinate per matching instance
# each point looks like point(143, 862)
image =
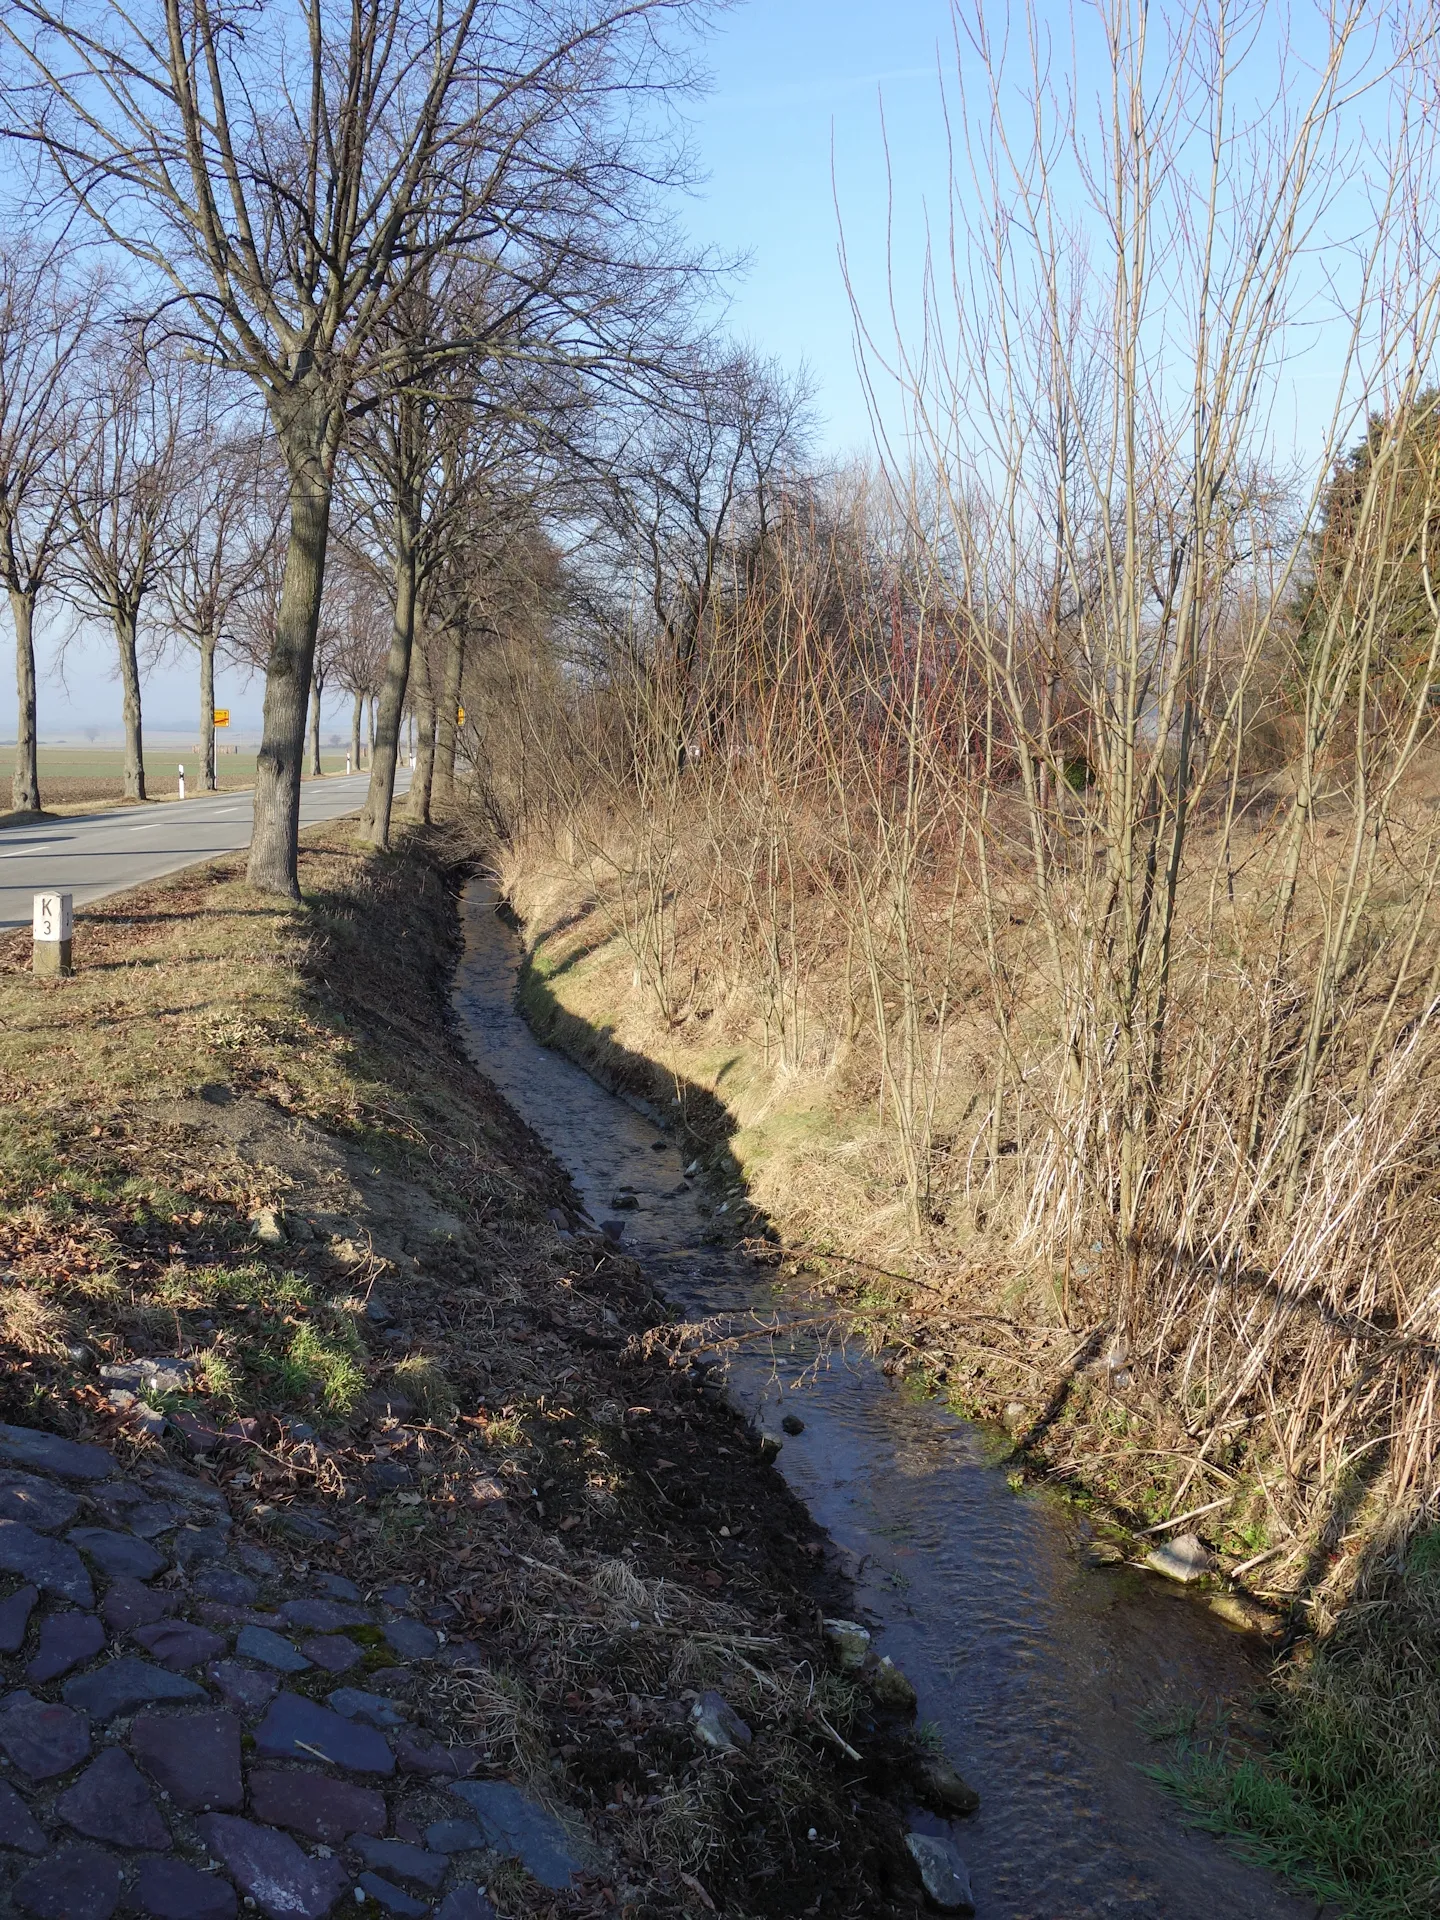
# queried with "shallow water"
point(1040, 1675)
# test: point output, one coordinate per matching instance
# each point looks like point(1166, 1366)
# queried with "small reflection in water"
point(1038, 1674)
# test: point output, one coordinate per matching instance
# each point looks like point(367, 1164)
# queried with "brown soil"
point(72, 792)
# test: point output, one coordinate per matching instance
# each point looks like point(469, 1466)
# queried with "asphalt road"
point(92, 854)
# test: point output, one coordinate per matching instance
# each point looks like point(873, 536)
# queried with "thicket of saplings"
point(1152, 1011)
point(1161, 1015)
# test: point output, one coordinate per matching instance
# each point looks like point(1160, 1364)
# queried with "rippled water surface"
point(1041, 1675)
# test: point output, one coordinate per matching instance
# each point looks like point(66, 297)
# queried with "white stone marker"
point(54, 934)
point(182, 783)
point(347, 764)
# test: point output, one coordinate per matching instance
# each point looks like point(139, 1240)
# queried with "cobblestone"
point(196, 1733)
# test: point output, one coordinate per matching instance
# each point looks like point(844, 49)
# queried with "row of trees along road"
point(130, 496)
point(345, 227)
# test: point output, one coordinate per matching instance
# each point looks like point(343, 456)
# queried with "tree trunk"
point(308, 439)
point(207, 711)
point(356, 721)
point(375, 820)
point(418, 800)
point(447, 720)
point(25, 787)
point(374, 703)
point(125, 624)
point(317, 693)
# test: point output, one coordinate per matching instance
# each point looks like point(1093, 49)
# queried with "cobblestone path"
point(185, 1735)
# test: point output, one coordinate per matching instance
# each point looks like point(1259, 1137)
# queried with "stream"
point(1041, 1675)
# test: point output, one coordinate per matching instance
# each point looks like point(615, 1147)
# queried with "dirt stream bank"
point(243, 1138)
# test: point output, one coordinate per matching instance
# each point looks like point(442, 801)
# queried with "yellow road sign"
point(460, 716)
point(222, 716)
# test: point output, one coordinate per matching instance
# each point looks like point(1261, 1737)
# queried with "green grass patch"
point(315, 1369)
point(1347, 1802)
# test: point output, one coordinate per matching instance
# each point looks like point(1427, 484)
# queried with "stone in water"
point(943, 1873)
point(891, 1688)
point(1185, 1558)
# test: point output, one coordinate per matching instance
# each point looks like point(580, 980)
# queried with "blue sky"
point(807, 99)
point(823, 114)
point(797, 84)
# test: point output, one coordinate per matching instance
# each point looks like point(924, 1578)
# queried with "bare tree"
point(329, 638)
point(227, 526)
point(422, 710)
point(289, 188)
point(122, 497)
point(45, 323)
point(447, 715)
point(499, 578)
point(424, 464)
point(356, 591)
point(395, 451)
point(684, 476)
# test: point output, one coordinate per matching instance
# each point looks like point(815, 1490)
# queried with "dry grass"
point(423, 1380)
point(34, 1325)
point(1237, 1333)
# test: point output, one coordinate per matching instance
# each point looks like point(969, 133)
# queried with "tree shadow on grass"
point(670, 1099)
point(98, 918)
point(1060, 1394)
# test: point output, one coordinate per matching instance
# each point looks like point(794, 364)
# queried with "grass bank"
point(242, 1137)
point(1345, 1802)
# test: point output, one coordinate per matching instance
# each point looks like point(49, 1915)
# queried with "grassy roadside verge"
point(1345, 1801)
point(242, 1137)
